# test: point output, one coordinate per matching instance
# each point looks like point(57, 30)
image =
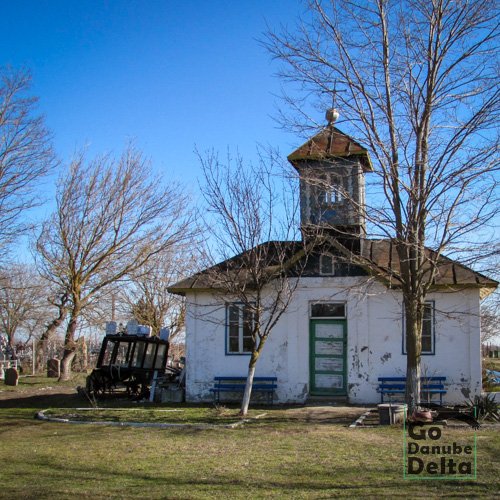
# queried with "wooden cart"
point(128, 363)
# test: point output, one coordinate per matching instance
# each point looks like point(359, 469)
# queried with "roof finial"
point(332, 115)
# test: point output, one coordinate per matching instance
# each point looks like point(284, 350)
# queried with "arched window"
point(331, 189)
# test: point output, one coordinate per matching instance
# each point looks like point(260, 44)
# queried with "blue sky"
point(171, 75)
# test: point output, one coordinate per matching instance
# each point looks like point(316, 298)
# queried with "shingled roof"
point(273, 252)
point(450, 274)
point(331, 143)
point(378, 257)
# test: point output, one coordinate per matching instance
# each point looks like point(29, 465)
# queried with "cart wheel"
point(137, 387)
point(96, 384)
point(133, 386)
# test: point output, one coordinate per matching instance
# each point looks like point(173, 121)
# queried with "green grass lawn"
point(157, 414)
point(273, 456)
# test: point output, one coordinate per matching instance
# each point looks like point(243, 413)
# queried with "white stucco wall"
point(374, 346)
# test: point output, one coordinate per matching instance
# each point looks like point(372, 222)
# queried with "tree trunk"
point(85, 354)
point(413, 327)
point(11, 349)
point(70, 347)
point(80, 362)
point(41, 348)
point(66, 363)
point(42, 344)
point(248, 387)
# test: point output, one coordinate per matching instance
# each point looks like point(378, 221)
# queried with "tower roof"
point(331, 143)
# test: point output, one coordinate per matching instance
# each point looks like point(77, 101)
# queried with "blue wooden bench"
point(266, 385)
point(429, 386)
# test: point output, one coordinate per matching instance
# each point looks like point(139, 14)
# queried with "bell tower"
point(331, 167)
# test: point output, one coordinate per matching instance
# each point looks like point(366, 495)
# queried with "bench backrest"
point(399, 383)
point(244, 379)
point(385, 380)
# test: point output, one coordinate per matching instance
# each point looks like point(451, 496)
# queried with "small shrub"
point(485, 406)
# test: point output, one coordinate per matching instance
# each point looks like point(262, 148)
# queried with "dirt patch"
point(41, 391)
point(344, 414)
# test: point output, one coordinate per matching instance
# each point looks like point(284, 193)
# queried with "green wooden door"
point(328, 346)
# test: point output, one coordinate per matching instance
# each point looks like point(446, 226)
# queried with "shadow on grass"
point(39, 402)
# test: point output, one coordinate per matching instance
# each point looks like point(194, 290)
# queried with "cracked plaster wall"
point(374, 348)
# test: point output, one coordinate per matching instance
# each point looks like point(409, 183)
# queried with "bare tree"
point(490, 308)
point(21, 302)
point(147, 298)
point(253, 222)
point(26, 153)
point(111, 218)
point(27, 306)
point(490, 321)
point(417, 83)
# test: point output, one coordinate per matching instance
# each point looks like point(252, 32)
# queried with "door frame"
point(312, 357)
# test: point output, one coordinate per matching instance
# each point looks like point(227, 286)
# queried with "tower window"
point(326, 265)
point(331, 192)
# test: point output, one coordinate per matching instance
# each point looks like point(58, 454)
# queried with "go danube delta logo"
point(432, 451)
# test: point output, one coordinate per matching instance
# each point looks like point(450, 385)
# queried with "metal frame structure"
point(130, 362)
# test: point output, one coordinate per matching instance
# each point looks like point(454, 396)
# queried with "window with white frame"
point(326, 264)
point(240, 323)
point(428, 329)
